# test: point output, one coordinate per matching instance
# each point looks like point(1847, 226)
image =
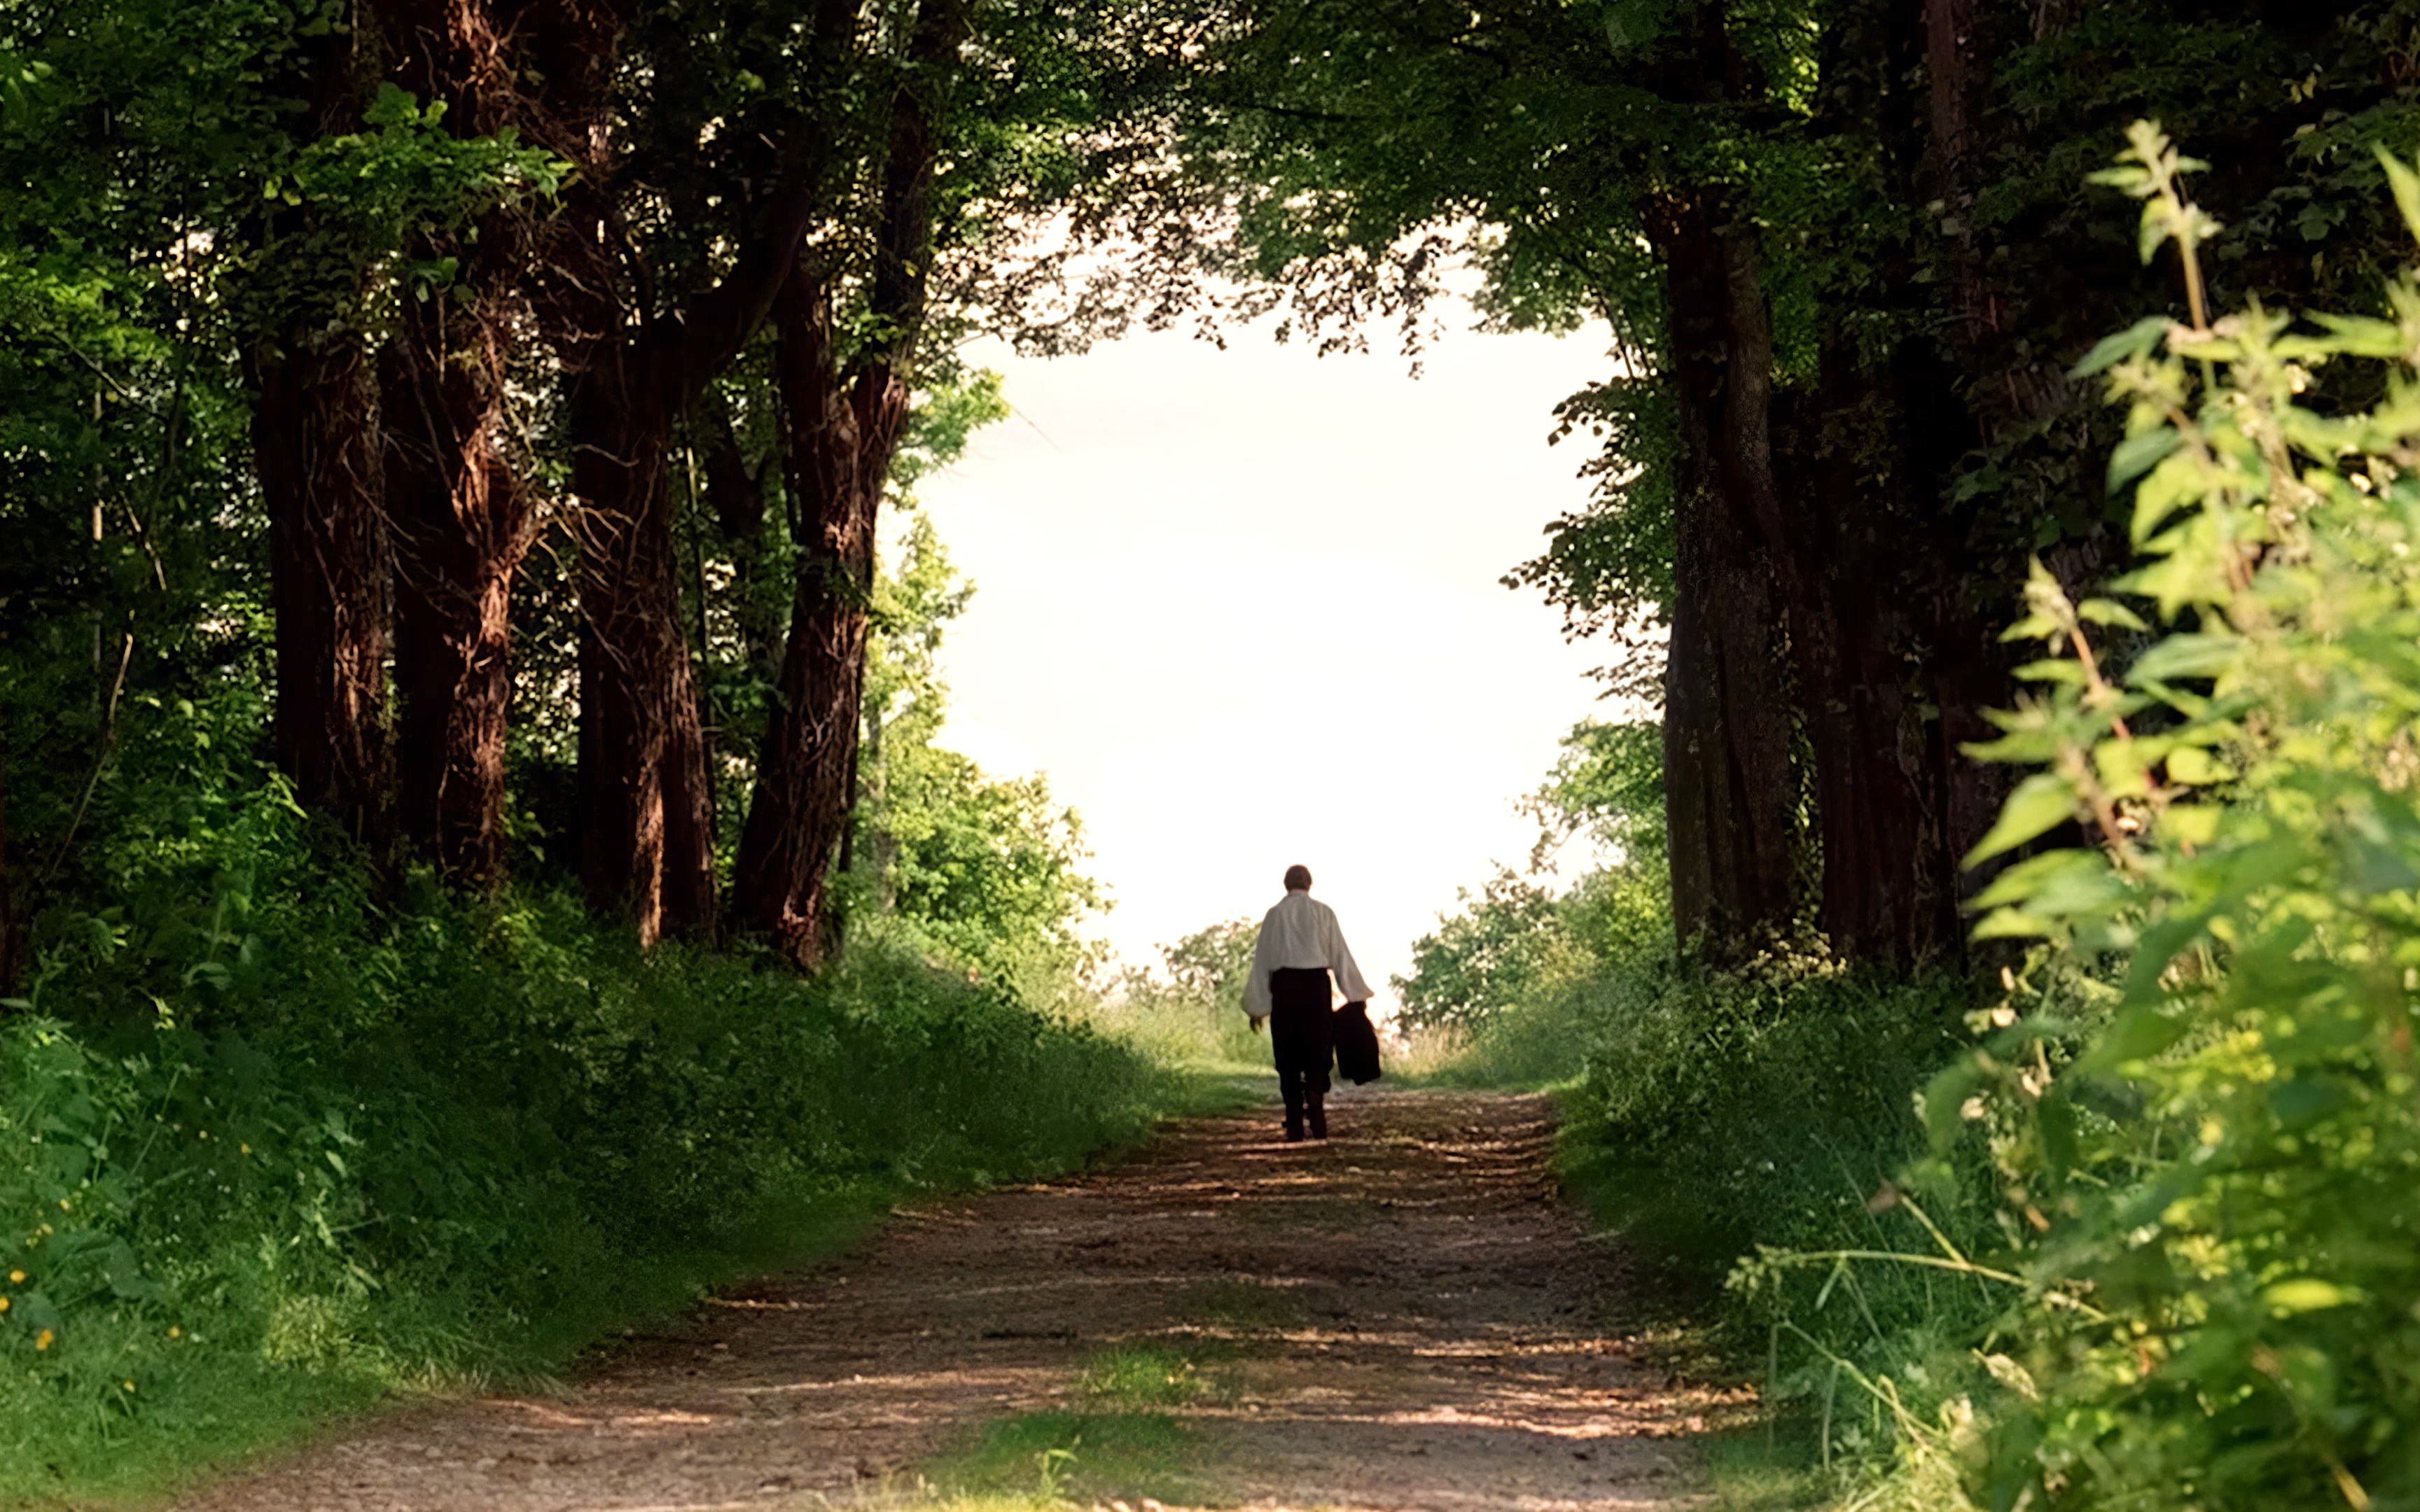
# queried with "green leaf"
point(2194, 766)
point(2056, 1118)
point(2138, 454)
point(2041, 802)
point(2011, 924)
point(2137, 340)
point(2110, 611)
point(2305, 1294)
point(2171, 488)
point(2186, 656)
point(2406, 185)
point(2038, 874)
point(2053, 670)
point(2362, 335)
point(2138, 1034)
point(2191, 823)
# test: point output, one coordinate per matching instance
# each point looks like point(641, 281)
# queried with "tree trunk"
point(839, 435)
point(460, 515)
point(461, 522)
point(634, 368)
point(841, 431)
point(315, 441)
point(1850, 633)
point(1731, 790)
point(646, 834)
point(316, 450)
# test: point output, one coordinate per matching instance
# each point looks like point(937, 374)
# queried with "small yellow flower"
point(3, 1304)
point(42, 1339)
point(130, 1386)
point(63, 1204)
point(243, 1148)
point(15, 1277)
point(175, 1333)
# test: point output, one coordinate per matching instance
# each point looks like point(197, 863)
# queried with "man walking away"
point(1299, 946)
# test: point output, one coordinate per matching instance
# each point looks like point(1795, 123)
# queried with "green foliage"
point(2173, 1175)
point(1491, 953)
point(1214, 964)
point(1192, 1013)
point(988, 869)
point(1606, 786)
point(280, 1146)
point(1518, 942)
point(2219, 1306)
point(1063, 1459)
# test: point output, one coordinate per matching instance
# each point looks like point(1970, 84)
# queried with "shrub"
point(2221, 1270)
point(271, 1145)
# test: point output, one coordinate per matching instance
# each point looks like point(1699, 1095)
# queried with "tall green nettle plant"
point(2218, 1188)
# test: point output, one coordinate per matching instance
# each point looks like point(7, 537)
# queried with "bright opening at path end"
point(1243, 607)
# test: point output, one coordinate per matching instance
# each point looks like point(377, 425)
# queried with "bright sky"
point(1243, 607)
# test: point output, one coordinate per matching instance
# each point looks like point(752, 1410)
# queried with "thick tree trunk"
point(461, 520)
point(461, 515)
point(841, 430)
point(634, 368)
point(840, 434)
point(646, 832)
point(315, 442)
point(1731, 788)
point(1849, 634)
point(315, 437)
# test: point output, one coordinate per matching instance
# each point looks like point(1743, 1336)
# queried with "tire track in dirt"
point(1435, 1340)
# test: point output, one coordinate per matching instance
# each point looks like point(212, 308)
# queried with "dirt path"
point(1406, 1317)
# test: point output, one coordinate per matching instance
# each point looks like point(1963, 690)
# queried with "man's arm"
point(1339, 959)
point(1256, 982)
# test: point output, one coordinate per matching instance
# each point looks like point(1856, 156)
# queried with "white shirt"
point(1300, 933)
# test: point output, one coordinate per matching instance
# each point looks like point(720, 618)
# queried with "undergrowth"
point(2134, 1226)
point(274, 1147)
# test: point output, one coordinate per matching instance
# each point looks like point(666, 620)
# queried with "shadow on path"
point(1407, 1318)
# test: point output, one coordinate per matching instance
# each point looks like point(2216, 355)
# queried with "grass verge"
point(383, 1154)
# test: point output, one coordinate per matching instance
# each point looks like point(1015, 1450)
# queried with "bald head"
point(1297, 879)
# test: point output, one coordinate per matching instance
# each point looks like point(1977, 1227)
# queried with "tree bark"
point(632, 373)
point(315, 427)
point(462, 524)
point(1852, 637)
point(646, 834)
point(460, 514)
point(738, 502)
point(840, 434)
point(315, 442)
point(1731, 788)
point(841, 430)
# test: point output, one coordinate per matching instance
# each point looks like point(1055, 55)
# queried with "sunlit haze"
point(1243, 607)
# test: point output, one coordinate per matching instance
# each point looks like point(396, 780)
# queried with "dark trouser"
point(1302, 1032)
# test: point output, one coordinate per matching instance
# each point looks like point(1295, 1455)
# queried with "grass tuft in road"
point(1086, 1457)
point(1133, 1377)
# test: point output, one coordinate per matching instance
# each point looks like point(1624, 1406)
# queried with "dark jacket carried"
point(1356, 1044)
